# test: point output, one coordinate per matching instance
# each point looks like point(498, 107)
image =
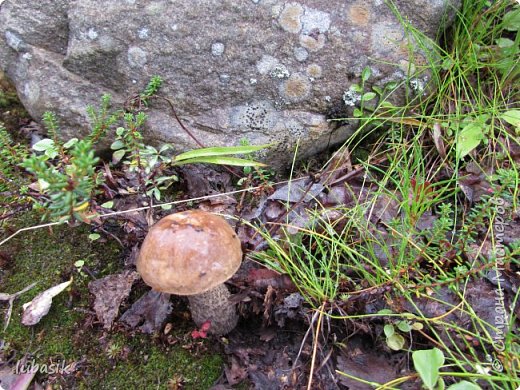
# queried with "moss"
point(12, 113)
point(47, 257)
point(151, 366)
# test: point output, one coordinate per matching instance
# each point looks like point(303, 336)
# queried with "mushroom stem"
point(214, 306)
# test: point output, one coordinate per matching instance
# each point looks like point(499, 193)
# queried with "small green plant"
point(79, 267)
point(255, 174)
point(129, 142)
point(151, 89)
point(66, 184)
point(428, 364)
point(395, 340)
point(364, 100)
point(11, 154)
point(114, 350)
point(102, 119)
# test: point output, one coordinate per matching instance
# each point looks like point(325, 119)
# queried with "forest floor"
point(391, 262)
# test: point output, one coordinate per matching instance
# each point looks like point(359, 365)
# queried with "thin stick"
point(144, 208)
point(129, 211)
point(10, 299)
point(315, 347)
point(313, 319)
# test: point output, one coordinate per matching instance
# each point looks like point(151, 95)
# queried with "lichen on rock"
point(215, 57)
point(296, 88)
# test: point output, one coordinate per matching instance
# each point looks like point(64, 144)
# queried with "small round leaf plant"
point(194, 253)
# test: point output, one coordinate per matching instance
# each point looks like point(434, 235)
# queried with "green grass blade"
point(219, 151)
point(220, 160)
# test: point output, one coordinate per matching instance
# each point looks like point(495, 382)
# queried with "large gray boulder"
point(265, 70)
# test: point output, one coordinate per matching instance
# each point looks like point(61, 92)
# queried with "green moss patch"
point(149, 366)
point(47, 257)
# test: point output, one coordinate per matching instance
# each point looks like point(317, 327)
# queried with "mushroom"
point(193, 253)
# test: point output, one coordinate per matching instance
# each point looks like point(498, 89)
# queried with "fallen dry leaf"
point(437, 140)
point(236, 373)
point(12, 381)
point(150, 311)
point(110, 292)
point(296, 191)
point(40, 305)
point(9, 298)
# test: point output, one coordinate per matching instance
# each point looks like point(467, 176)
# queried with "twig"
point(313, 319)
point(315, 347)
point(201, 198)
point(188, 131)
point(170, 103)
point(355, 172)
point(10, 299)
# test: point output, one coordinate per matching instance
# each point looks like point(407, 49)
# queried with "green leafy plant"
point(129, 142)
point(313, 257)
point(11, 154)
point(79, 264)
point(394, 339)
point(66, 184)
point(151, 89)
point(220, 156)
point(13, 185)
point(428, 364)
point(255, 174)
point(102, 119)
point(426, 152)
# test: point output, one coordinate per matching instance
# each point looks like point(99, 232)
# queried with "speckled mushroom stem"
point(214, 305)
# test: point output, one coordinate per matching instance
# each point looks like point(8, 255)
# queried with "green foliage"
point(53, 130)
point(471, 135)
point(465, 125)
point(428, 364)
point(151, 89)
point(149, 161)
point(513, 118)
point(367, 108)
point(220, 155)
point(102, 119)
point(67, 183)
point(11, 154)
point(255, 174)
point(395, 340)
point(313, 257)
point(129, 141)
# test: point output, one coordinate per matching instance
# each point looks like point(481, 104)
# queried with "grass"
point(424, 150)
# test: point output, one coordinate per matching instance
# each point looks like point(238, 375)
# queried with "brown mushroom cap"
point(188, 253)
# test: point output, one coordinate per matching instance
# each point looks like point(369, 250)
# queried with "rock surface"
point(265, 70)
